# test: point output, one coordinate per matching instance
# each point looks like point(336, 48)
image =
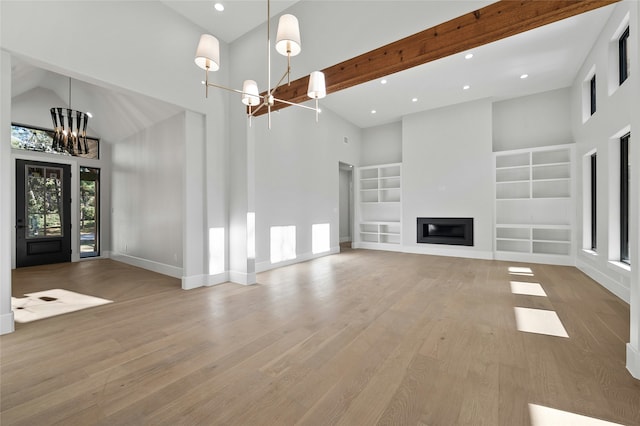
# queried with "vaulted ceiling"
point(337, 30)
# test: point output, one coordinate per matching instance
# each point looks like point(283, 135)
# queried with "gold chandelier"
point(287, 44)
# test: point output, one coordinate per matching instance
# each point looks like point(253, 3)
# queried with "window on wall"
point(592, 93)
point(37, 139)
point(594, 222)
point(624, 198)
point(623, 56)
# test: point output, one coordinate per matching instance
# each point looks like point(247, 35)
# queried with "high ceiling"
point(333, 31)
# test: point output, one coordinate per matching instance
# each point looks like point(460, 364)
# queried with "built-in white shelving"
point(379, 207)
point(535, 205)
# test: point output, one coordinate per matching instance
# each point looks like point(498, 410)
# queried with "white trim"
point(7, 323)
point(620, 267)
point(193, 281)
point(633, 361)
point(242, 278)
point(448, 251)
point(217, 279)
point(266, 266)
point(196, 281)
point(607, 282)
point(345, 239)
point(547, 259)
point(378, 246)
point(161, 268)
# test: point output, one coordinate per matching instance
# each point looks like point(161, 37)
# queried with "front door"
point(43, 207)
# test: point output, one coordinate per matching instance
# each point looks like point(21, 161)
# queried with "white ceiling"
point(239, 16)
point(338, 30)
point(550, 55)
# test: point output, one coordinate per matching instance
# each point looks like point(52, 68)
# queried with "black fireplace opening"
point(446, 230)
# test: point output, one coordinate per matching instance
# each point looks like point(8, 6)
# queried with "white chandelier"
point(287, 44)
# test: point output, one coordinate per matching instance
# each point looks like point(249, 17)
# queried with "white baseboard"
point(633, 361)
point(266, 266)
point(193, 281)
point(546, 259)
point(345, 239)
point(7, 324)
point(378, 246)
point(604, 280)
point(196, 281)
point(448, 251)
point(217, 279)
point(242, 278)
point(161, 268)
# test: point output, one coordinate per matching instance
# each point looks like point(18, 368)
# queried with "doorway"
point(43, 216)
point(346, 204)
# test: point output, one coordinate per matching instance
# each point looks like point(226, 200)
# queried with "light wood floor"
point(359, 338)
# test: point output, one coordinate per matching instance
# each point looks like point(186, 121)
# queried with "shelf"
point(379, 206)
point(534, 204)
point(512, 160)
point(513, 174)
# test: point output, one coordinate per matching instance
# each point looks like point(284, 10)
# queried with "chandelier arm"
point(236, 90)
point(272, 91)
point(298, 105)
point(253, 113)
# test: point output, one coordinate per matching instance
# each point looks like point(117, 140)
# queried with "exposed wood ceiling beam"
point(494, 22)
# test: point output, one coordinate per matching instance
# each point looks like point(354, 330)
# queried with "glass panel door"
point(43, 225)
point(89, 211)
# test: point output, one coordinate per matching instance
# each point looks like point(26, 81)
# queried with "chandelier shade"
point(288, 38)
point(208, 53)
point(250, 93)
point(317, 89)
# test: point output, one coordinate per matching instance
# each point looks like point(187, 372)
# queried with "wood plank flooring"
point(359, 338)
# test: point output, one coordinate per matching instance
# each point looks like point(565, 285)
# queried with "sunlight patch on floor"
point(520, 270)
point(48, 303)
point(539, 321)
point(545, 416)
point(529, 289)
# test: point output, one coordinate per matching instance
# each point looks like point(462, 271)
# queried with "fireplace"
point(446, 230)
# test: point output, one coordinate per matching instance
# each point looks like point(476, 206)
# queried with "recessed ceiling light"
point(219, 7)
point(468, 56)
point(414, 100)
point(466, 87)
point(383, 81)
point(373, 111)
point(523, 76)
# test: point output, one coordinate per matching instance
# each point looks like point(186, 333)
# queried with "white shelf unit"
point(379, 207)
point(535, 205)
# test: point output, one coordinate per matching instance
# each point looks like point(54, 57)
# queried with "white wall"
point(296, 176)
point(381, 145)
point(447, 172)
point(617, 112)
point(601, 132)
point(147, 195)
point(532, 121)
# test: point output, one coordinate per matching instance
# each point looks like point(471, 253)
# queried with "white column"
point(6, 225)
point(193, 235)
